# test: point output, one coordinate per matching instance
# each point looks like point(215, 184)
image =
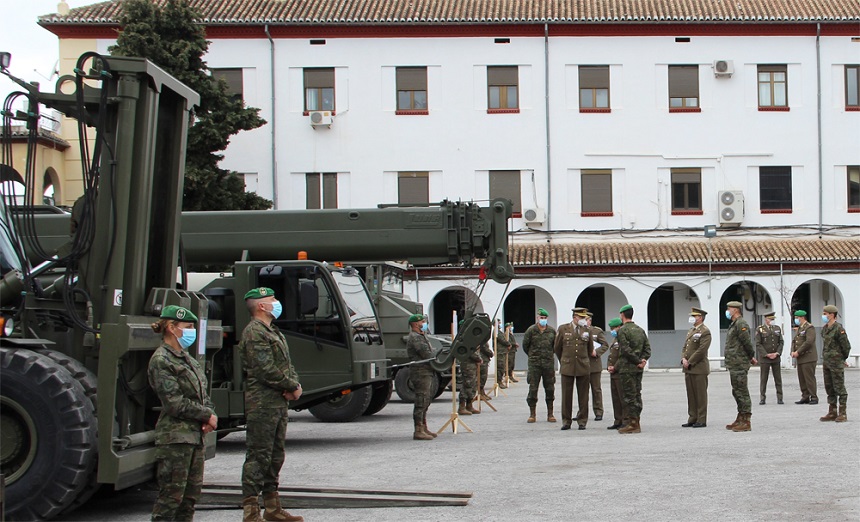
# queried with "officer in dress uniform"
point(803, 350)
point(769, 342)
point(573, 346)
point(694, 359)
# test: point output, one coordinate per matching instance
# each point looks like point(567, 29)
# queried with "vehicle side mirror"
point(309, 297)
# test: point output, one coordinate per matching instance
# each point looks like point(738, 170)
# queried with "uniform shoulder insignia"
point(743, 329)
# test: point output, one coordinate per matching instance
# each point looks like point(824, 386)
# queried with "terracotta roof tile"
point(217, 12)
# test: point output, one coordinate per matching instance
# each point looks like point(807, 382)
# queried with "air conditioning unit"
point(724, 68)
point(731, 205)
point(320, 118)
point(534, 216)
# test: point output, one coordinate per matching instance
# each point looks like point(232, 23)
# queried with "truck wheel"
point(49, 436)
point(404, 389)
point(444, 382)
point(381, 396)
point(345, 408)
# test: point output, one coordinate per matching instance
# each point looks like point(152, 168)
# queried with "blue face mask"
point(614, 333)
point(796, 321)
point(276, 309)
point(189, 335)
point(542, 322)
point(728, 315)
point(825, 319)
point(425, 327)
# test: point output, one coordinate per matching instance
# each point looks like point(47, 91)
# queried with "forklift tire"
point(49, 435)
point(381, 396)
point(345, 408)
point(404, 389)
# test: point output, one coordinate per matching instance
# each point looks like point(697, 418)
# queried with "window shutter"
point(683, 81)
point(319, 78)
point(329, 188)
point(411, 78)
point(594, 77)
point(413, 188)
point(596, 191)
point(312, 180)
point(506, 184)
point(506, 75)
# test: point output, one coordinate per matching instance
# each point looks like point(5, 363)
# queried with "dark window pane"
point(506, 184)
point(775, 188)
point(312, 181)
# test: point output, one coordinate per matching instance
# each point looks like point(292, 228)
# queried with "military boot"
point(631, 427)
point(512, 378)
point(274, 512)
point(427, 430)
point(470, 405)
point(744, 424)
point(419, 433)
point(735, 423)
point(532, 415)
point(549, 416)
point(831, 414)
point(484, 396)
point(251, 510)
point(463, 410)
point(843, 413)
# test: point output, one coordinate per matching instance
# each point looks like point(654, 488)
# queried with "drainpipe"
point(546, 108)
point(272, 124)
point(820, 159)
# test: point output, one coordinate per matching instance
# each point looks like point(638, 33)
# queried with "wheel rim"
point(18, 439)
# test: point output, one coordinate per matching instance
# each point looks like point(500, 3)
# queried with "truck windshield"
point(392, 279)
point(357, 298)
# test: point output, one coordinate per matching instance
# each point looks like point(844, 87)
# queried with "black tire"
point(51, 458)
point(444, 382)
point(404, 389)
point(381, 396)
point(345, 408)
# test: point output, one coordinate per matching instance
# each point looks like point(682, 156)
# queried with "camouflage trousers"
point(631, 386)
point(536, 373)
point(421, 379)
point(468, 381)
point(179, 469)
point(485, 372)
point(740, 390)
point(834, 384)
point(264, 456)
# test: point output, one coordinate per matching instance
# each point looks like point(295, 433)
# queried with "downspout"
point(272, 124)
point(820, 159)
point(546, 108)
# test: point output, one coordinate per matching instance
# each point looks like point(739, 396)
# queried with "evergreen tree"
point(170, 37)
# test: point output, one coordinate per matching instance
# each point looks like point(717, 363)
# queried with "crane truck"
point(76, 409)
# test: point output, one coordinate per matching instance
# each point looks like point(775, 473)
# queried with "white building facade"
point(635, 128)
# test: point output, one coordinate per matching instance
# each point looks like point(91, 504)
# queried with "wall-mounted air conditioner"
point(320, 118)
point(724, 68)
point(731, 205)
point(534, 216)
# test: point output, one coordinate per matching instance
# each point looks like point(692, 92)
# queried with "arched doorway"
point(603, 300)
point(668, 310)
point(812, 296)
point(520, 308)
point(452, 299)
point(51, 190)
point(756, 301)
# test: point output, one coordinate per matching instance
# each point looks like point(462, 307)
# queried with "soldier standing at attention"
point(803, 350)
point(768, 343)
point(598, 336)
point(634, 350)
point(512, 351)
point(538, 346)
point(469, 383)
point(694, 359)
point(486, 355)
point(503, 347)
point(573, 346)
point(421, 375)
point(739, 356)
point(836, 351)
point(614, 381)
point(270, 383)
point(187, 415)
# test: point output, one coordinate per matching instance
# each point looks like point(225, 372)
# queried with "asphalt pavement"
point(789, 467)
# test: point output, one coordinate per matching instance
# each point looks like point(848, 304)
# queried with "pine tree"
point(170, 37)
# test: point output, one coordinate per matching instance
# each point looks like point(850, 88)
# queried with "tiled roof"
point(217, 12)
point(723, 251)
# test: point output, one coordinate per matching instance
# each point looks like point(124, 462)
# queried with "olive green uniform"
point(269, 373)
point(597, 369)
point(538, 346)
point(768, 339)
point(836, 351)
point(469, 373)
point(181, 387)
point(618, 407)
point(696, 373)
point(421, 375)
point(573, 346)
point(504, 356)
point(807, 357)
point(486, 355)
point(633, 347)
point(739, 352)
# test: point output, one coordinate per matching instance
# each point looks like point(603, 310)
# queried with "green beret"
point(614, 322)
point(830, 309)
point(543, 312)
point(414, 318)
point(259, 293)
point(625, 308)
point(735, 304)
point(178, 313)
point(508, 324)
point(800, 313)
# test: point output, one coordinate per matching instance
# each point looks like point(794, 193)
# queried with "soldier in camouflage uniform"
point(804, 351)
point(596, 367)
point(836, 351)
point(634, 350)
point(486, 356)
point(186, 416)
point(694, 360)
point(421, 375)
point(618, 409)
point(503, 347)
point(469, 383)
point(739, 356)
point(769, 342)
point(271, 382)
point(538, 346)
point(512, 352)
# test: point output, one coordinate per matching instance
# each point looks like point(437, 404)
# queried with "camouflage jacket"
point(804, 344)
point(836, 346)
point(539, 345)
point(181, 386)
point(486, 353)
point(418, 349)
point(503, 345)
point(633, 346)
point(739, 348)
point(269, 372)
point(768, 339)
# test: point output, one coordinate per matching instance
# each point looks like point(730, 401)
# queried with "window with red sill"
point(854, 188)
point(687, 192)
point(775, 190)
point(412, 91)
point(503, 89)
point(596, 193)
point(773, 87)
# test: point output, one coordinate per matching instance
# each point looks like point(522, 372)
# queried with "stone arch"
point(51, 182)
point(445, 302)
point(603, 300)
point(668, 309)
point(812, 295)
point(521, 304)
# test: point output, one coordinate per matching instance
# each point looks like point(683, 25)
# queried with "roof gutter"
point(274, 115)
